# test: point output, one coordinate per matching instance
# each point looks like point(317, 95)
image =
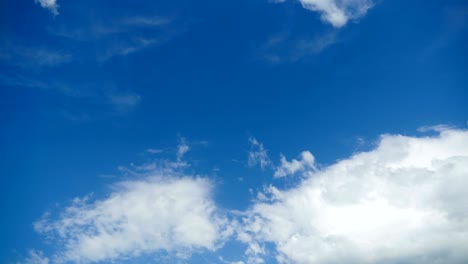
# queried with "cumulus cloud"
point(403, 202)
point(258, 154)
point(160, 213)
point(337, 12)
point(51, 5)
point(307, 162)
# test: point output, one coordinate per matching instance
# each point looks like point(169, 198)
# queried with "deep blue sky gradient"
point(402, 66)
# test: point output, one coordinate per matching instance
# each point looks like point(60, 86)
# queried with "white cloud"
point(284, 48)
point(51, 5)
point(182, 148)
point(161, 212)
point(123, 36)
point(307, 162)
point(403, 202)
point(120, 102)
point(17, 54)
point(126, 47)
point(436, 128)
point(154, 151)
point(337, 12)
point(35, 257)
point(144, 21)
point(124, 101)
point(258, 154)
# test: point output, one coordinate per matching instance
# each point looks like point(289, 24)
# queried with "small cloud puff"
point(51, 5)
point(182, 148)
point(337, 12)
point(307, 162)
point(258, 154)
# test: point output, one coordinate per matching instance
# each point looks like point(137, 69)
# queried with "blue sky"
point(237, 100)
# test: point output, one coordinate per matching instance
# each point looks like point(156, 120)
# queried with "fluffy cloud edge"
point(306, 163)
point(50, 5)
point(401, 201)
point(174, 214)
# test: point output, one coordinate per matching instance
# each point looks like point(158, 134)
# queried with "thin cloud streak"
point(31, 57)
point(281, 48)
point(118, 100)
point(123, 36)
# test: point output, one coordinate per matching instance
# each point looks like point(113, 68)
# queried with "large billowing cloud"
point(403, 202)
point(337, 12)
point(173, 214)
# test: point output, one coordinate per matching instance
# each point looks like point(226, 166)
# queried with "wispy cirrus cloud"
point(127, 47)
point(121, 36)
point(282, 48)
point(99, 29)
point(123, 101)
point(147, 21)
point(154, 151)
point(17, 80)
point(118, 100)
point(33, 57)
point(435, 128)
